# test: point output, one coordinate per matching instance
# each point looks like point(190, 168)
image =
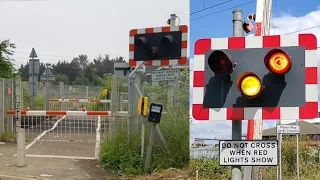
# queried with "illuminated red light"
point(278, 62)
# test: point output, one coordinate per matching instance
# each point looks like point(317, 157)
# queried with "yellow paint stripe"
point(22, 177)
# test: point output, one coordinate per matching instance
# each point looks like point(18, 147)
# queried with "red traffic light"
point(220, 63)
point(277, 61)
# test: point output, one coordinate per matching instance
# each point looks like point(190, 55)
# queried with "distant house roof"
point(305, 129)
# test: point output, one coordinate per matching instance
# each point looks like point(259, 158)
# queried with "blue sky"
point(220, 24)
point(286, 17)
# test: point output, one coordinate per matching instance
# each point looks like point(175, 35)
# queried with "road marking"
point(63, 157)
point(44, 133)
point(23, 177)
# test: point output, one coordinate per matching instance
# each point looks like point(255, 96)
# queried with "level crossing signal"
point(269, 77)
point(159, 46)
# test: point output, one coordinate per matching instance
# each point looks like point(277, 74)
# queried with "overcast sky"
point(63, 29)
point(280, 25)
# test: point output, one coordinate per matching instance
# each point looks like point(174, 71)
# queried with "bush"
point(209, 169)
point(38, 100)
point(308, 161)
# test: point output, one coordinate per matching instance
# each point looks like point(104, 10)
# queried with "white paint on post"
point(21, 152)
point(98, 139)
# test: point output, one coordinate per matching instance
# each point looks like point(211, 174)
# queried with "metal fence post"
point(130, 104)
point(87, 92)
point(114, 108)
point(21, 161)
point(22, 94)
point(2, 96)
point(10, 105)
point(170, 94)
point(121, 101)
point(131, 99)
point(61, 92)
point(46, 99)
point(17, 102)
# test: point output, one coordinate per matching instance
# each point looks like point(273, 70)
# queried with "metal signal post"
point(237, 125)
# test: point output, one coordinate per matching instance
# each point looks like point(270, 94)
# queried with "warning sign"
point(165, 75)
point(248, 153)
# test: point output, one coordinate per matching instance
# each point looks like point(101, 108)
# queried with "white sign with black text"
point(165, 75)
point(288, 129)
point(248, 153)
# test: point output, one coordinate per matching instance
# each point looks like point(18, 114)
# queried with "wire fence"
point(173, 94)
point(7, 91)
point(124, 97)
point(168, 93)
point(206, 153)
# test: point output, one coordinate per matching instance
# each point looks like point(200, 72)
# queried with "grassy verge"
point(7, 136)
point(309, 164)
point(124, 158)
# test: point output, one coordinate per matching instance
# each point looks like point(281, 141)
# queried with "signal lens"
point(220, 63)
point(141, 41)
point(278, 62)
point(154, 50)
point(249, 84)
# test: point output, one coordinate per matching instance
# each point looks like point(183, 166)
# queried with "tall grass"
point(309, 164)
point(124, 157)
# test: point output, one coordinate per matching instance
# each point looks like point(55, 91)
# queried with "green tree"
point(81, 80)
point(62, 77)
point(6, 65)
point(80, 71)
